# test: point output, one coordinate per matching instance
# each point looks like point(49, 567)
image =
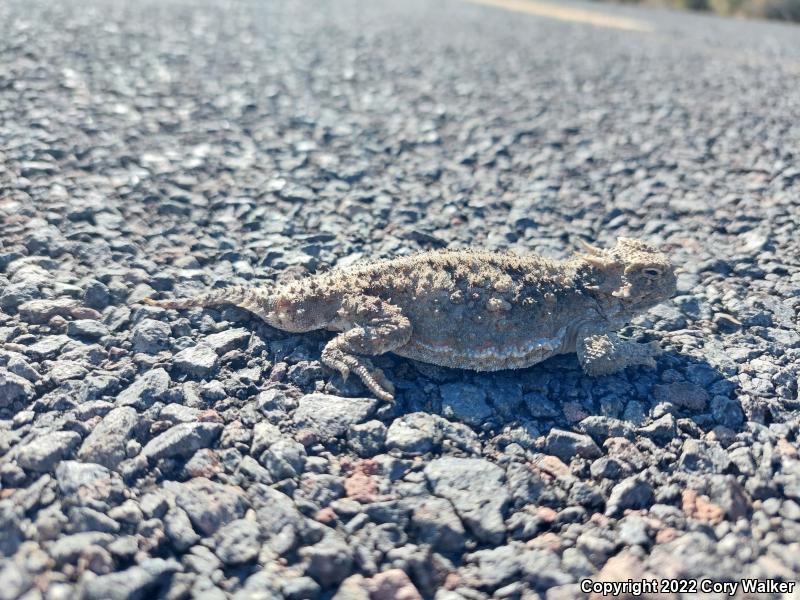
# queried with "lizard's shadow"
point(557, 394)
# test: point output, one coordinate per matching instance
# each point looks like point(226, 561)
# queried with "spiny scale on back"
point(468, 309)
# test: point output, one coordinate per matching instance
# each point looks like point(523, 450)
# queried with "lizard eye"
point(652, 272)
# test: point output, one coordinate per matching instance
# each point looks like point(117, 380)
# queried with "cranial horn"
point(597, 261)
point(594, 250)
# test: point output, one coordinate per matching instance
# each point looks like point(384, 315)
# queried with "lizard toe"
point(383, 381)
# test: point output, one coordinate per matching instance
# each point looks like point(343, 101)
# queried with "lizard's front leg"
point(370, 326)
point(606, 353)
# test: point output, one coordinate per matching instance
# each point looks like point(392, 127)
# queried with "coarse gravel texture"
point(173, 146)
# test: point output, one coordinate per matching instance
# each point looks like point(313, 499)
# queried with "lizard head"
point(633, 272)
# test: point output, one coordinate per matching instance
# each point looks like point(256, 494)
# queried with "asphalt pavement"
point(157, 149)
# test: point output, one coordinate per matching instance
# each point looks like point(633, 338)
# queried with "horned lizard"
point(468, 309)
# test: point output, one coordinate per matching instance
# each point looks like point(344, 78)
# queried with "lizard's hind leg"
point(370, 326)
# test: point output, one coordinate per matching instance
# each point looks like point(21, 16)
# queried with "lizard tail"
point(243, 296)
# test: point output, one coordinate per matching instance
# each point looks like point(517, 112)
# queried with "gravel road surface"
point(152, 149)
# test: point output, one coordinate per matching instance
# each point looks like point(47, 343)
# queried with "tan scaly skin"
point(467, 309)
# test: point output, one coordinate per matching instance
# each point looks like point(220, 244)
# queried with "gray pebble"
point(477, 490)
point(41, 311)
point(182, 440)
point(14, 388)
point(127, 512)
point(96, 295)
point(134, 583)
point(106, 444)
point(209, 505)
point(145, 390)
point(154, 504)
point(83, 518)
point(300, 588)
point(179, 529)
point(599, 428)
point(629, 493)
point(437, 524)
point(726, 492)
point(19, 366)
point(16, 580)
point(47, 346)
point(284, 459)
point(227, 340)
point(332, 416)
point(633, 531)
point(465, 402)
point(412, 434)
point(197, 362)
point(682, 393)
point(367, 439)
point(662, 430)
point(45, 451)
point(635, 413)
point(566, 444)
point(68, 548)
point(151, 336)
point(540, 406)
point(727, 412)
point(237, 542)
point(318, 490)
point(177, 413)
point(328, 561)
point(90, 484)
point(87, 329)
point(703, 456)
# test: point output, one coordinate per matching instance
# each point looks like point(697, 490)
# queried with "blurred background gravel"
point(173, 146)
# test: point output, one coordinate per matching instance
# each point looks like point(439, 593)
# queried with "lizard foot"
point(607, 354)
point(373, 378)
point(377, 327)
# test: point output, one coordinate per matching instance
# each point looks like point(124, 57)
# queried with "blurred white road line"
point(567, 13)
